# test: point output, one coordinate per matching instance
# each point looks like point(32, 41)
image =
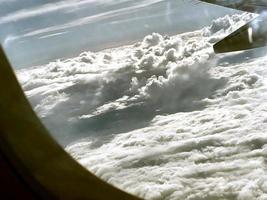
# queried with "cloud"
point(8, 39)
point(53, 35)
point(41, 10)
point(217, 152)
point(147, 72)
point(59, 7)
point(22, 14)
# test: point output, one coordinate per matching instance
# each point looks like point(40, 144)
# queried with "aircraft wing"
point(254, 6)
point(249, 36)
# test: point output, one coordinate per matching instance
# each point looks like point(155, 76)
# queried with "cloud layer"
point(58, 6)
point(164, 118)
point(69, 6)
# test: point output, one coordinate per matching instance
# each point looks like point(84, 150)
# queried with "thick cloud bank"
point(164, 118)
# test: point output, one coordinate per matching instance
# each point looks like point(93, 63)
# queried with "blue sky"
point(36, 32)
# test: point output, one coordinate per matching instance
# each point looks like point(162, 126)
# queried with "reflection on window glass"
point(133, 90)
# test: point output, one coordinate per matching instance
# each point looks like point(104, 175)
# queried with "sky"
point(37, 32)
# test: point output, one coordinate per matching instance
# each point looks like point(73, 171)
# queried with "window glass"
point(134, 91)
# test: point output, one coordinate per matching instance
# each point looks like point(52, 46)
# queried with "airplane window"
point(164, 99)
